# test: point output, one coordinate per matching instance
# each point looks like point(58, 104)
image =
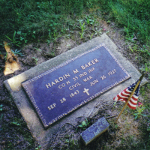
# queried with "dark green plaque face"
point(63, 89)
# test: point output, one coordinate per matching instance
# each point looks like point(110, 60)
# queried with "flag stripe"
point(133, 100)
point(128, 91)
point(124, 95)
point(131, 105)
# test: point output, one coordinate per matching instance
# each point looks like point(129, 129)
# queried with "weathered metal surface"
point(68, 86)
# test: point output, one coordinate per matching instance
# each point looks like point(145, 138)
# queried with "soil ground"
point(127, 134)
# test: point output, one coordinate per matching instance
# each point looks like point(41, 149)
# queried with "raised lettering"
point(94, 82)
point(92, 69)
point(74, 93)
point(67, 75)
point(75, 71)
point(61, 86)
point(50, 107)
point(83, 74)
point(48, 85)
point(62, 100)
point(112, 72)
point(96, 60)
point(74, 86)
point(68, 82)
point(83, 67)
point(53, 83)
point(93, 62)
point(89, 64)
point(86, 66)
point(87, 79)
point(103, 77)
point(56, 81)
point(75, 78)
point(61, 78)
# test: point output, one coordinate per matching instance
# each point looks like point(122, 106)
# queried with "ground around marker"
point(44, 137)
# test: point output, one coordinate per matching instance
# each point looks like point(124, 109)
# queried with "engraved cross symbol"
point(86, 91)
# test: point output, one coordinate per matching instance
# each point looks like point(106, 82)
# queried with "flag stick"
point(131, 95)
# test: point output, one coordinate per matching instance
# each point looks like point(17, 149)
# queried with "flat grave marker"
point(61, 90)
point(95, 130)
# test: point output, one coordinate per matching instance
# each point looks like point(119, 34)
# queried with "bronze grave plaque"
point(59, 91)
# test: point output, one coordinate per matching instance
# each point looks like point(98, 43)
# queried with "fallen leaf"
point(11, 64)
point(1, 56)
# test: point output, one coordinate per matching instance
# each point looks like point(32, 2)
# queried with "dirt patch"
point(65, 44)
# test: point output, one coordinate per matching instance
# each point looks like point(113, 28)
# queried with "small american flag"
point(124, 95)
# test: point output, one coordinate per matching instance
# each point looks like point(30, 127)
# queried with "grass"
point(132, 15)
point(23, 21)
